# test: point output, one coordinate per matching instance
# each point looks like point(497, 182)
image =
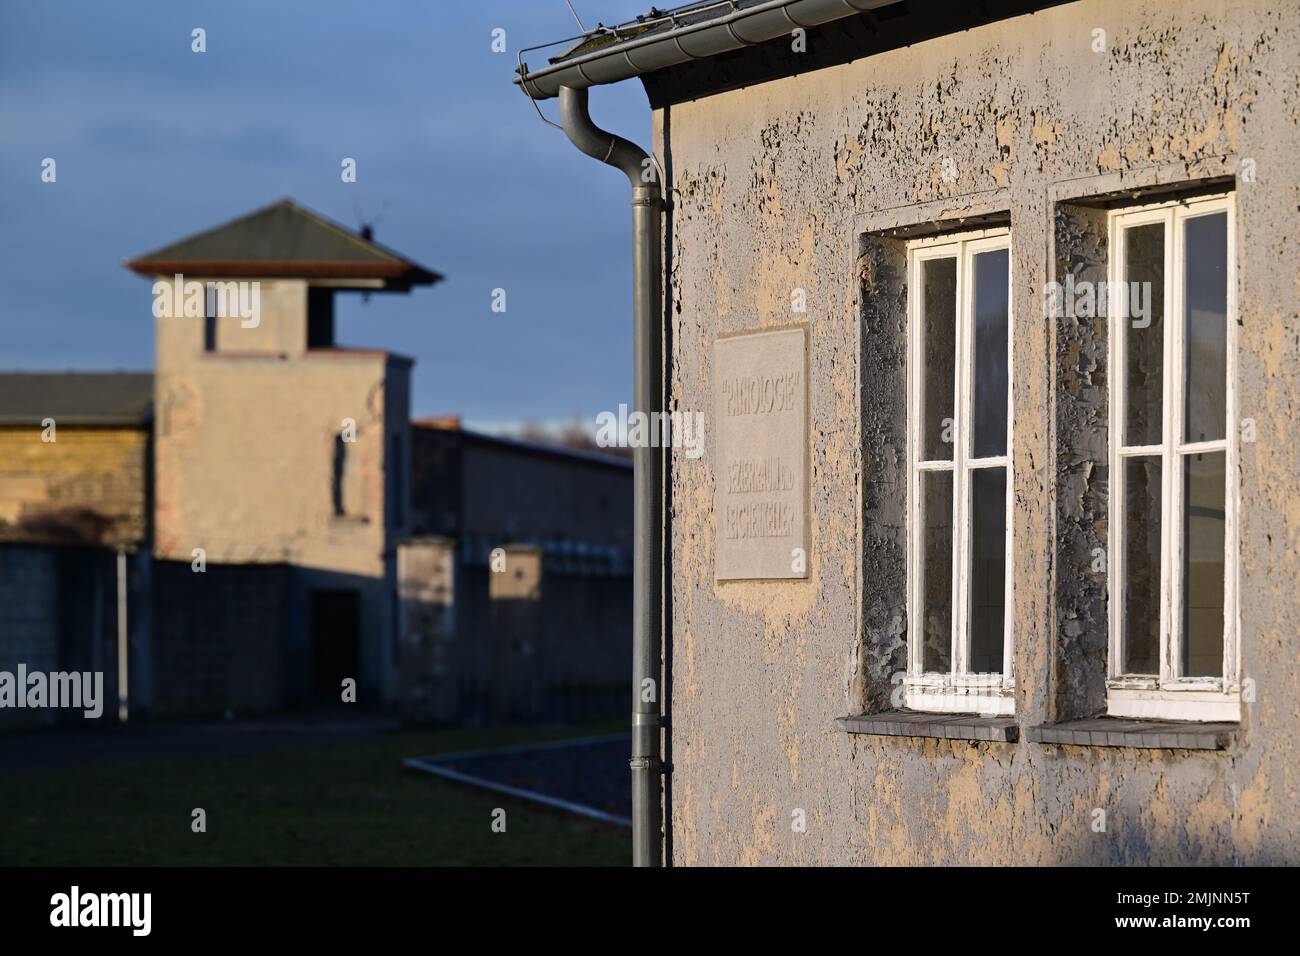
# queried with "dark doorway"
point(335, 643)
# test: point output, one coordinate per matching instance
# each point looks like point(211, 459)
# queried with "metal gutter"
point(677, 37)
point(647, 477)
point(650, 44)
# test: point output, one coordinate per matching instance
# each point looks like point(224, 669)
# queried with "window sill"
point(1182, 702)
point(906, 723)
point(1149, 734)
point(208, 354)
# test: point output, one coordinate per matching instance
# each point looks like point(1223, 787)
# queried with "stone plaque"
point(761, 470)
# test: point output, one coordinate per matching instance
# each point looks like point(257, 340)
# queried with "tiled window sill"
point(906, 723)
point(1121, 732)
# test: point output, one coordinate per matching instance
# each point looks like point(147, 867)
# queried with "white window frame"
point(1169, 695)
point(959, 690)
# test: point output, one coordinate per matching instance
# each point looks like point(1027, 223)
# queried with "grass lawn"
point(349, 803)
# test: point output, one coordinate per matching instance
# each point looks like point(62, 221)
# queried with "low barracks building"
point(1010, 577)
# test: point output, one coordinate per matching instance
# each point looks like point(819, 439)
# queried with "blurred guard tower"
point(275, 446)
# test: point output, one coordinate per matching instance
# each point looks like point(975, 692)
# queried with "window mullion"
point(1232, 438)
point(1008, 531)
point(961, 506)
point(1171, 461)
point(915, 640)
point(1115, 531)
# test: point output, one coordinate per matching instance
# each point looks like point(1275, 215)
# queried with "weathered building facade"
point(908, 185)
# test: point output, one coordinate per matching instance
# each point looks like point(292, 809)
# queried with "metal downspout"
point(647, 590)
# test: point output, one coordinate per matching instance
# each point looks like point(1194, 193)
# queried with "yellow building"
point(74, 457)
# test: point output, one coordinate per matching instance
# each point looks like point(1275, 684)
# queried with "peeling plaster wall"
point(771, 187)
point(1081, 468)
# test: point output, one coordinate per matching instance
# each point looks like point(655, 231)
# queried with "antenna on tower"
point(367, 228)
point(568, 4)
point(364, 226)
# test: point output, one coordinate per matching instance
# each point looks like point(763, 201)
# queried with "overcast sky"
point(154, 142)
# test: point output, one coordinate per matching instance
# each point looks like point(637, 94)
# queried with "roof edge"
point(403, 271)
point(599, 459)
point(669, 40)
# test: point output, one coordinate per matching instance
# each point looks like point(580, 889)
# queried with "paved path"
point(591, 772)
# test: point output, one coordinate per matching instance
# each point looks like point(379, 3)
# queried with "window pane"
point(988, 569)
point(1206, 336)
point(1204, 491)
point(939, 350)
point(990, 402)
point(1142, 565)
point(936, 571)
point(1142, 310)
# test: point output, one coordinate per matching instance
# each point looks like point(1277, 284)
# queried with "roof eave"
point(399, 274)
point(654, 50)
point(132, 423)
